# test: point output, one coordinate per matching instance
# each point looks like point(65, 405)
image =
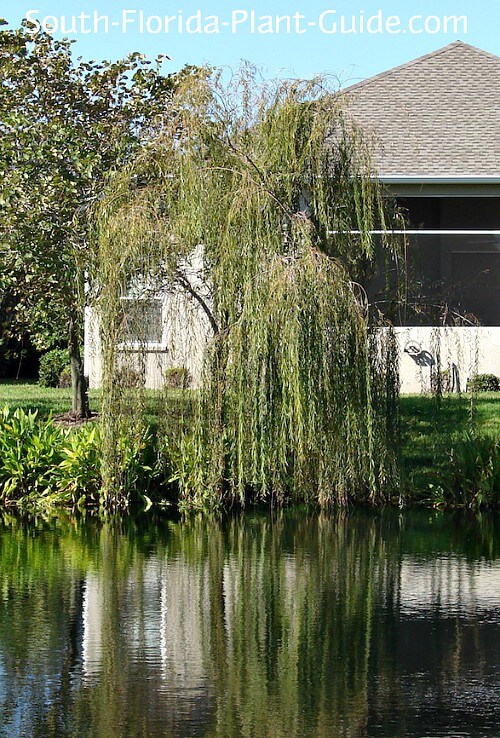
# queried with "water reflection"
point(449, 584)
point(302, 625)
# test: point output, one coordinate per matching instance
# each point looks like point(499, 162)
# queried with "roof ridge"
point(418, 60)
point(478, 50)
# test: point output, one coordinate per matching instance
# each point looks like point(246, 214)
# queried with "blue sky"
point(309, 48)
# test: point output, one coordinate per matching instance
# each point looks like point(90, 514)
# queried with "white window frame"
point(148, 346)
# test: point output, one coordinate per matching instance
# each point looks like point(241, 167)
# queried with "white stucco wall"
point(183, 320)
point(184, 334)
point(461, 351)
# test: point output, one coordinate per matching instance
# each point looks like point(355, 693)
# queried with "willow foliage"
point(273, 182)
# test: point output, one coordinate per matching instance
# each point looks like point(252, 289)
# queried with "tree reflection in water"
point(300, 625)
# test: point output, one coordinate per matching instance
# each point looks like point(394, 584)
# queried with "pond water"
point(297, 624)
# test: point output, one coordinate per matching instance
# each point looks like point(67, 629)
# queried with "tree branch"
point(184, 282)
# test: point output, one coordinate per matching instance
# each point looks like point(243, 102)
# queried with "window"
point(141, 321)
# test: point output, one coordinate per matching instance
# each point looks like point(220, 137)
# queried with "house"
point(162, 331)
point(435, 127)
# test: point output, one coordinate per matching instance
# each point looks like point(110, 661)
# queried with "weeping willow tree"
point(272, 184)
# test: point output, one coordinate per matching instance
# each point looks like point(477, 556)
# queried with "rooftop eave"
point(419, 179)
point(446, 186)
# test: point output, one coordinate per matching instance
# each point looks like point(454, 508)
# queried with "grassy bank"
point(430, 432)
point(430, 429)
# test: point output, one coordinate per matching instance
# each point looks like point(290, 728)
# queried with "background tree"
point(64, 125)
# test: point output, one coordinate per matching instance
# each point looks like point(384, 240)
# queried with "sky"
point(348, 39)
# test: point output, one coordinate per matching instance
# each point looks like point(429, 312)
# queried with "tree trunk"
point(80, 403)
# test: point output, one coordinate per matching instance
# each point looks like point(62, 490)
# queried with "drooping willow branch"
point(297, 392)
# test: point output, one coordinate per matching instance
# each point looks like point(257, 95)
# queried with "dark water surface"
point(295, 625)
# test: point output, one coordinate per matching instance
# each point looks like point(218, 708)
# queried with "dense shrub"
point(177, 377)
point(78, 476)
point(483, 383)
point(44, 463)
point(130, 378)
point(52, 365)
point(65, 378)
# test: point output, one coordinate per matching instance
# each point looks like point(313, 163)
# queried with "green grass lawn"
point(47, 400)
point(428, 429)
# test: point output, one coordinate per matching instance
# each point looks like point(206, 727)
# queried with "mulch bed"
point(69, 420)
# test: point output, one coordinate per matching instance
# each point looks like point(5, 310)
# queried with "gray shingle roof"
point(438, 115)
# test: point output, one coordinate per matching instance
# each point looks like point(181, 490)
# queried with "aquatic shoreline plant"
point(473, 479)
point(44, 465)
